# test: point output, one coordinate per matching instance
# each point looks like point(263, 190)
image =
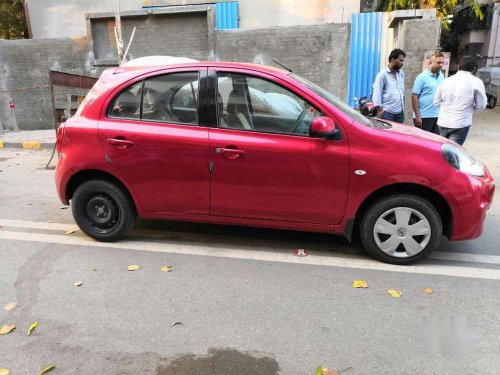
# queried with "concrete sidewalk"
point(31, 139)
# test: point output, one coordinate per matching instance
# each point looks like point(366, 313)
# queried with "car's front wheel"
point(401, 229)
point(103, 210)
point(492, 102)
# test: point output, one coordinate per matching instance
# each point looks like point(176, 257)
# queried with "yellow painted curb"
point(31, 144)
point(1, 143)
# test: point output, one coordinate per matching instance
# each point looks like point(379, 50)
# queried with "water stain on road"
point(221, 362)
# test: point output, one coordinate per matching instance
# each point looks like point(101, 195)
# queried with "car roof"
point(152, 68)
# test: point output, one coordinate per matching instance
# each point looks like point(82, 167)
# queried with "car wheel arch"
point(436, 199)
point(95, 174)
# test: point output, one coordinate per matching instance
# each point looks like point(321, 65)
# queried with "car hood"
point(415, 132)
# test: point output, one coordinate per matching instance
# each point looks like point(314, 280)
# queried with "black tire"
point(103, 210)
point(422, 219)
point(492, 102)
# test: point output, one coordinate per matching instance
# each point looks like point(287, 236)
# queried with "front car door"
point(265, 165)
point(154, 137)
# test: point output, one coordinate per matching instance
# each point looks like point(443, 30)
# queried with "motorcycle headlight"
point(462, 161)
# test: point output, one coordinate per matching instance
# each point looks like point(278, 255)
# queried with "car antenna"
point(283, 66)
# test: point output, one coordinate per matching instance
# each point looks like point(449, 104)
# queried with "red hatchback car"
point(251, 145)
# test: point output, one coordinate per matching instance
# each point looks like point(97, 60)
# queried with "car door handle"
point(120, 143)
point(230, 153)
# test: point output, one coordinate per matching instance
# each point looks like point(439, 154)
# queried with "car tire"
point(401, 229)
point(491, 102)
point(103, 210)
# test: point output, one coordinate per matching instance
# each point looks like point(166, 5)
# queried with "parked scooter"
point(365, 106)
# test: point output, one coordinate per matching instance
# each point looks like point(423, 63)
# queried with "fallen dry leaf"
point(428, 290)
point(71, 231)
point(133, 267)
point(8, 328)
point(78, 283)
point(32, 327)
point(360, 284)
point(175, 323)
point(47, 369)
point(394, 293)
point(4, 371)
point(166, 269)
point(64, 207)
point(93, 269)
point(10, 306)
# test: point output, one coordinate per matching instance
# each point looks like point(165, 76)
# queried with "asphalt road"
point(246, 304)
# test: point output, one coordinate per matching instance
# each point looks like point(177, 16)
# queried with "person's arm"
point(378, 89)
point(480, 99)
point(414, 104)
point(417, 90)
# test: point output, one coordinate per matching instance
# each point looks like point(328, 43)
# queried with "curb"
point(31, 145)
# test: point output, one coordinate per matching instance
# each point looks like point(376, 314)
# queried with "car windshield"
point(341, 106)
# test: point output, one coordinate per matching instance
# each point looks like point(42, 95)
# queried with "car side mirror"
point(324, 127)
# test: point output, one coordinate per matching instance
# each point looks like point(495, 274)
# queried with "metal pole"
point(128, 46)
point(13, 114)
point(118, 30)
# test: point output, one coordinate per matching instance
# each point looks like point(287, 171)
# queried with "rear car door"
point(154, 135)
point(265, 165)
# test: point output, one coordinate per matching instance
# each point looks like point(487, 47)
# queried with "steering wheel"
point(299, 121)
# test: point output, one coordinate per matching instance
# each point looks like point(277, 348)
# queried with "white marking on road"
point(325, 261)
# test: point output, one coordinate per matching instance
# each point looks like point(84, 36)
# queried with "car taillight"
point(59, 137)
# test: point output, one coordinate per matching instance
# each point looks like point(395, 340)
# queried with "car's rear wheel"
point(401, 229)
point(103, 210)
point(492, 102)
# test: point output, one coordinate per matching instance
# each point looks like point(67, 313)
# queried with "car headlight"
point(462, 161)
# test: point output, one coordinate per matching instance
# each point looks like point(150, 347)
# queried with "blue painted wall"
point(364, 57)
point(226, 15)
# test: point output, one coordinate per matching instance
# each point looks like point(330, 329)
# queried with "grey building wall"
point(419, 37)
point(319, 53)
point(184, 34)
point(24, 77)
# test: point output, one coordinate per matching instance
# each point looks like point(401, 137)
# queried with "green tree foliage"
point(12, 20)
point(443, 7)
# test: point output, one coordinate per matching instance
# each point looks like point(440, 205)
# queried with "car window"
point(252, 103)
point(171, 98)
point(128, 103)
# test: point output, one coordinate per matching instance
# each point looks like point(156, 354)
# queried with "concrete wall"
point(319, 53)
point(66, 18)
point(24, 68)
point(428, 32)
point(179, 34)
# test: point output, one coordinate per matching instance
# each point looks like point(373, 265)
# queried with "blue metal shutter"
point(226, 15)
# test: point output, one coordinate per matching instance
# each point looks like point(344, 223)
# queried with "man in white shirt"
point(458, 97)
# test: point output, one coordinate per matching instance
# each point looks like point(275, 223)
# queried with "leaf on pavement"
point(133, 267)
point(71, 231)
point(324, 371)
point(166, 269)
point(394, 293)
point(78, 283)
point(5, 371)
point(64, 207)
point(10, 306)
point(8, 328)
point(93, 269)
point(47, 369)
point(428, 290)
point(360, 284)
point(175, 323)
point(32, 327)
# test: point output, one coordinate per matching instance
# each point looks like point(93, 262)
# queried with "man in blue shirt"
point(424, 90)
point(389, 88)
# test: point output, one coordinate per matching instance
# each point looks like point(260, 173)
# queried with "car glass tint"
point(252, 103)
point(128, 103)
point(171, 98)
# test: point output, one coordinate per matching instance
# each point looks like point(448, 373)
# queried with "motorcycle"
point(365, 106)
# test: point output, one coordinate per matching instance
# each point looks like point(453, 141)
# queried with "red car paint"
point(208, 174)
